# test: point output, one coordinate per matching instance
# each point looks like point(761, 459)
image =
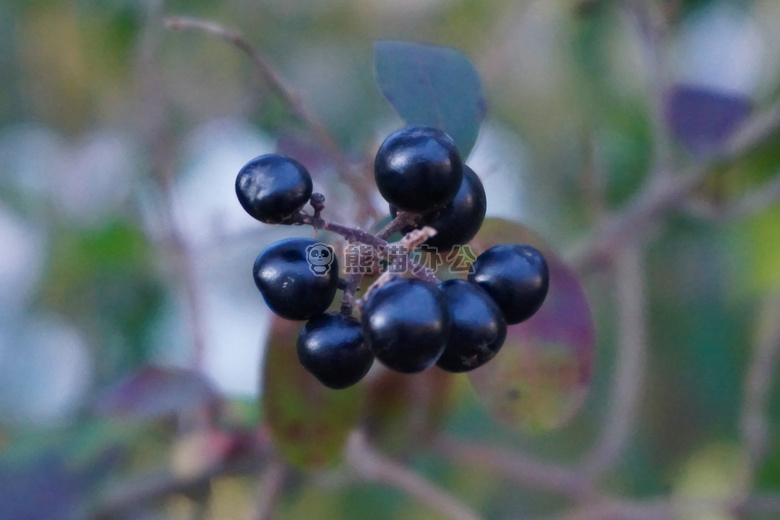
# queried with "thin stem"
point(269, 490)
point(665, 508)
point(422, 272)
point(592, 178)
point(660, 194)
point(378, 244)
point(749, 204)
point(157, 134)
point(522, 468)
point(352, 234)
point(369, 464)
point(291, 99)
point(632, 346)
point(137, 492)
point(754, 424)
point(384, 279)
point(402, 220)
point(652, 31)
point(348, 300)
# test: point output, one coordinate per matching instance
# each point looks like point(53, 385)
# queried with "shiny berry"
point(406, 324)
point(478, 327)
point(459, 220)
point(331, 348)
point(295, 280)
point(418, 169)
point(273, 187)
point(515, 276)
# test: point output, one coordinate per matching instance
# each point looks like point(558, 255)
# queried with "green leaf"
point(540, 378)
point(432, 86)
point(309, 422)
point(104, 279)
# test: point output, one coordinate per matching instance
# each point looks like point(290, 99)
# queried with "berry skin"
point(458, 221)
point(515, 276)
point(273, 187)
point(418, 169)
point(406, 324)
point(331, 348)
point(478, 327)
point(288, 283)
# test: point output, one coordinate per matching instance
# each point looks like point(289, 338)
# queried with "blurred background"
point(132, 336)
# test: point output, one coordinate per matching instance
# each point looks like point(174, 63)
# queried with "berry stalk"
point(378, 244)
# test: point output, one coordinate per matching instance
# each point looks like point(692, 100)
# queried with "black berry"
point(515, 276)
point(478, 327)
point(418, 169)
point(273, 187)
point(459, 220)
point(331, 348)
point(406, 324)
point(296, 278)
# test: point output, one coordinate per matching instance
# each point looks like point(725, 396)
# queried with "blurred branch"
point(137, 492)
point(524, 469)
point(289, 96)
point(157, 134)
point(653, 33)
point(632, 346)
point(761, 504)
point(667, 508)
point(369, 464)
point(494, 59)
point(754, 425)
point(750, 204)
point(592, 177)
point(663, 193)
point(269, 490)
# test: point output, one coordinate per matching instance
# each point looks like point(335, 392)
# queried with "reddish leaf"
point(541, 376)
point(309, 422)
point(155, 392)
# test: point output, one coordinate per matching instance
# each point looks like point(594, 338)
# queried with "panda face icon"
point(320, 257)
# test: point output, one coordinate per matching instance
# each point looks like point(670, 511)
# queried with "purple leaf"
point(432, 86)
point(704, 119)
point(154, 392)
point(51, 487)
point(541, 376)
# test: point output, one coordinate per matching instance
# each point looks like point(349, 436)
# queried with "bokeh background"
point(132, 336)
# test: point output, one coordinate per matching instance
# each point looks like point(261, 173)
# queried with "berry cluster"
point(408, 324)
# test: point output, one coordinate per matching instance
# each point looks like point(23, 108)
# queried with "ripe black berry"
point(293, 285)
point(331, 348)
point(478, 327)
point(459, 220)
point(273, 187)
point(515, 276)
point(418, 169)
point(406, 324)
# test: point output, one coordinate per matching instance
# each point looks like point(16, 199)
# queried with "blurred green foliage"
point(567, 85)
